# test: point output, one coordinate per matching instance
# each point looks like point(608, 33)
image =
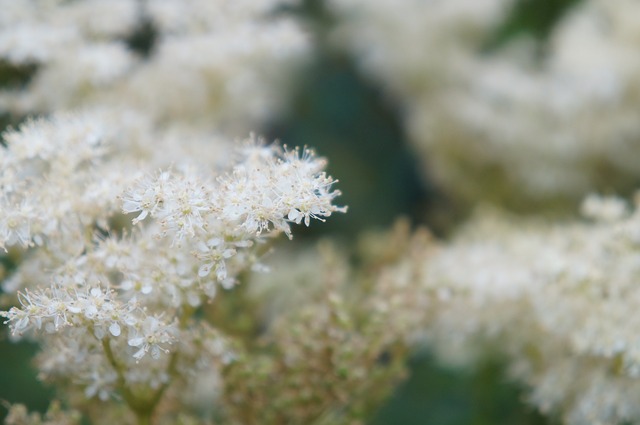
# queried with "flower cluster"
point(558, 301)
point(531, 125)
point(118, 314)
point(131, 224)
point(340, 346)
point(211, 63)
point(125, 205)
point(540, 130)
point(266, 190)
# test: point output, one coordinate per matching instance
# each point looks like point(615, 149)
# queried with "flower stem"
point(143, 409)
point(124, 390)
point(144, 418)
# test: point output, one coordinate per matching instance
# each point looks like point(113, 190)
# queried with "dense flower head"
point(537, 129)
point(111, 301)
point(337, 335)
point(559, 301)
point(217, 218)
point(125, 206)
point(216, 63)
point(265, 191)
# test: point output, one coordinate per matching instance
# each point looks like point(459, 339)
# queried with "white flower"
point(267, 189)
point(15, 225)
point(151, 336)
point(186, 207)
point(145, 197)
point(604, 208)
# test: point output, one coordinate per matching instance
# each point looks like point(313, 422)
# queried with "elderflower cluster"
point(541, 130)
point(558, 301)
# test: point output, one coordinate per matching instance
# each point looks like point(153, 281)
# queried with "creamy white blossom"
point(503, 123)
point(560, 301)
point(216, 63)
point(125, 300)
point(125, 204)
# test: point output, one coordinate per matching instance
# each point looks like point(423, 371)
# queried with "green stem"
point(144, 418)
point(142, 407)
point(128, 396)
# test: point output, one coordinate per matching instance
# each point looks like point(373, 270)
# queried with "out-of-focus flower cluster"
point(504, 122)
point(202, 64)
point(342, 345)
point(559, 302)
point(531, 125)
point(18, 415)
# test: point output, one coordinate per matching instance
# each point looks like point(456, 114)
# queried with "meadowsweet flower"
point(477, 116)
point(145, 197)
point(127, 301)
point(558, 300)
point(203, 57)
point(604, 208)
point(15, 226)
point(121, 312)
point(152, 335)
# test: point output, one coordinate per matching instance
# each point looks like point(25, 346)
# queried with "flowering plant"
point(115, 306)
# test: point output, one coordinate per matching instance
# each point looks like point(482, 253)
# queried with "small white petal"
point(114, 329)
point(293, 214)
point(221, 271)
point(202, 247)
point(21, 324)
point(99, 332)
point(215, 242)
point(135, 342)
point(228, 253)
point(204, 269)
point(90, 311)
point(130, 206)
point(139, 354)
point(155, 352)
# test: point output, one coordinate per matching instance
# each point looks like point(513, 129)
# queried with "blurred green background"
point(348, 119)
